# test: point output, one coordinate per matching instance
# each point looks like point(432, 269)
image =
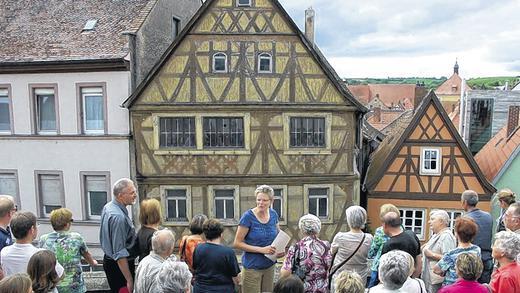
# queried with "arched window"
point(265, 63)
point(243, 2)
point(219, 62)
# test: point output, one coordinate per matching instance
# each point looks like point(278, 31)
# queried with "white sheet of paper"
point(280, 242)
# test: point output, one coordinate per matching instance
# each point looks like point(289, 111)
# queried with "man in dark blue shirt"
point(469, 200)
point(7, 209)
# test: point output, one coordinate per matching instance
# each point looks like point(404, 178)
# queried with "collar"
point(121, 206)
point(473, 210)
point(507, 267)
point(156, 256)
point(7, 230)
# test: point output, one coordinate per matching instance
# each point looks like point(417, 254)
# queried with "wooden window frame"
point(84, 193)
point(403, 218)
point(10, 107)
point(194, 132)
point(34, 108)
point(438, 170)
point(39, 197)
point(199, 135)
point(236, 203)
point(288, 150)
point(330, 201)
point(17, 195)
point(189, 214)
point(219, 118)
point(220, 54)
point(270, 57)
point(80, 107)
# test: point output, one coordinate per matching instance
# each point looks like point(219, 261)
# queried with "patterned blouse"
point(447, 262)
point(376, 247)
point(68, 247)
point(315, 258)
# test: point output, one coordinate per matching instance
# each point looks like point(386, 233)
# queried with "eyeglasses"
point(508, 215)
point(15, 209)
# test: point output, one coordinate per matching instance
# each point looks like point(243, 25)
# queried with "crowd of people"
point(391, 260)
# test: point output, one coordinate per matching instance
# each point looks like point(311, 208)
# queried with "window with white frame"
point(307, 132)
point(5, 111)
point(9, 184)
point(224, 203)
point(225, 132)
point(93, 110)
point(50, 190)
point(265, 63)
point(96, 193)
point(176, 205)
point(45, 111)
point(431, 161)
point(319, 202)
point(176, 132)
point(413, 219)
point(277, 204)
point(243, 2)
point(219, 62)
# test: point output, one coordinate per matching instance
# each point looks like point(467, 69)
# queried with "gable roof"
point(312, 49)
point(51, 30)
point(452, 86)
point(498, 153)
point(387, 151)
point(389, 94)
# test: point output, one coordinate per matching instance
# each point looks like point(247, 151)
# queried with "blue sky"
point(404, 38)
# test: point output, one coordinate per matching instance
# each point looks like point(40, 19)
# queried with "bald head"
point(6, 205)
point(162, 242)
point(392, 219)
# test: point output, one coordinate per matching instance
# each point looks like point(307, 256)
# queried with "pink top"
point(463, 286)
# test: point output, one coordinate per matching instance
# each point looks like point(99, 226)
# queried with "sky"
point(405, 38)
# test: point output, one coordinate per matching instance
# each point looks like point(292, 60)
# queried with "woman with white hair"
point(440, 243)
point(310, 257)
point(174, 277)
point(394, 269)
point(350, 249)
point(505, 251)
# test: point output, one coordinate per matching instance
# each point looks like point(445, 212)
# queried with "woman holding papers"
point(310, 257)
point(257, 229)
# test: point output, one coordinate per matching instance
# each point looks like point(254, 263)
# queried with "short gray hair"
point(174, 277)
point(356, 217)
point(121, 185)
point(509, 243)
point(441, 214)
point(393, 269)
point(470, 197)
point(6, 204)
point(162, 241)
point(309, 224)
point(515, 208)
point(265, 189)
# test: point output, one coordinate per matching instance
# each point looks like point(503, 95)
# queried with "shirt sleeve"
point(447, 243)
point(245, 220)
point(503, 284)
point(287, 263)
point(118, 236)
point(235, 268)
point(376, 244)
point(446, 262)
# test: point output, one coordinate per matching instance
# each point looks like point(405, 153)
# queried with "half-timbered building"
point(422, 165)
point(243, 98)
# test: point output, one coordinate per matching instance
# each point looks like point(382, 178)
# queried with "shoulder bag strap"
point(296, 257)
point(419, 282)
point(332, 272)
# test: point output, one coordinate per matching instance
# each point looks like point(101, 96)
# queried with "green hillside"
point(486, 83)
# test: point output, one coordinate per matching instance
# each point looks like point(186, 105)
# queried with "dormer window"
point(220, 63)
point(265, 63)
point(90, 25)
point(244, 3)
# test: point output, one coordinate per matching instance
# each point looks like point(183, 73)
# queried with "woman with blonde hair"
point(376, 247)
point(68, 247)
point(349, 282)
point(41, 269)
point(505, 197)
point(17, 283)
point(150, 219)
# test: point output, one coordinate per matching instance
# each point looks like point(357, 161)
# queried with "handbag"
point(296, 268)
point(331, 273)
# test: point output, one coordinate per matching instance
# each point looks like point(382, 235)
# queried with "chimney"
point(377, 114)
point(309, 24)
point(512, 119)
point(420, 93)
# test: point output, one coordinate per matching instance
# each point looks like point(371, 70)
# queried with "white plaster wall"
point(117, 87)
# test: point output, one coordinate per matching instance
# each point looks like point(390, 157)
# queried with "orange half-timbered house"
point(422, 165)
point(243, 98)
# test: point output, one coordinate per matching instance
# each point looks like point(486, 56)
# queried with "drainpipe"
point(132, 48)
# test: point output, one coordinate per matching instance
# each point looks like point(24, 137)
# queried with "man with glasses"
point(512, 218)
point(7, 209)
point(117, 237)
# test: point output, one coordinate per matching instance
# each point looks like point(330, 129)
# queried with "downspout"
point(132, 48)
point(462, 113)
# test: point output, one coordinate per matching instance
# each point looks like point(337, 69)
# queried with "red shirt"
point(506, 279)
point(463, 286)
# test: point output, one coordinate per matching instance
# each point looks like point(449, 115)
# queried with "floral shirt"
point(376, 247)
point(315, 258)
point(447, 262)
point(68, 247)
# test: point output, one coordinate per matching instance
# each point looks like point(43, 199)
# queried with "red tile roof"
point(387, 117)
point(452, 86)
point(388, 93)
point(493, 156)
point(51, 30)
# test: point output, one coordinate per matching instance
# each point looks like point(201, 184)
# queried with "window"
point(225, 132)
point(50, 191)
point(177, 132)
point(90, 25)
point(318, 202)
point(220, 62)
point(224, 203)
point(413, 219)
point(265, 63)
point(278, 203)
point(93, 110)
point(96, 194)
point(307, 132)
point(431, 161)
point(5, 111)
point(481, 120)
point(9, 184)
point(175, 27)
point(243, 2)
point(45, 111)
point(176, 203)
